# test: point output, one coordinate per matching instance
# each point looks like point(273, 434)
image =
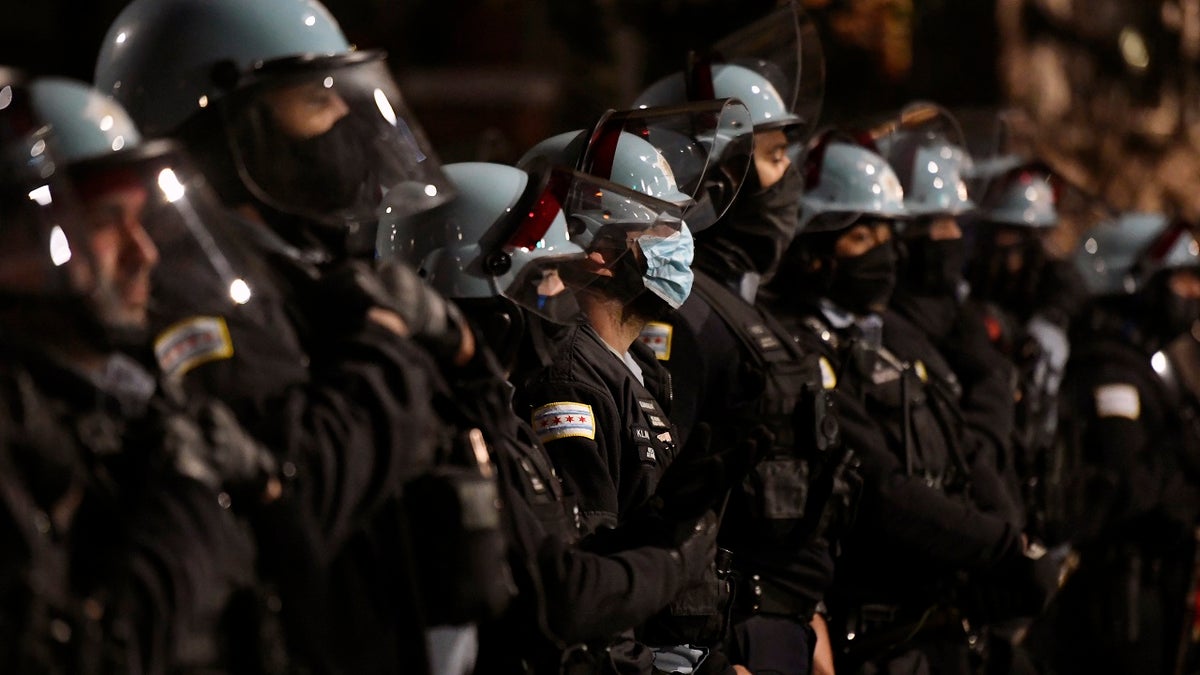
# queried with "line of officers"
point(695, 390)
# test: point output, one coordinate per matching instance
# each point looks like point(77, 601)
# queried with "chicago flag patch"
point(562, 420)
point(657, 336)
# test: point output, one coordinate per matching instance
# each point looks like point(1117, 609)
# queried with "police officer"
point(1028, 298)
point(121, 553)
point(1131, 459)
point(497, 250)
point(710, 144)
point(915, 512)
point(303, 135)
point(736, 368)
point(601, 407)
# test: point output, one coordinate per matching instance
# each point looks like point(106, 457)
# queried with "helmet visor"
point(328, 138)
point(43, 241)
point(783, 47)
point(155, 209)
point(708, 145)
point(628, 239)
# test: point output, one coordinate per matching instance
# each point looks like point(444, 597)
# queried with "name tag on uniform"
point(766, 340)
point(641, 434)
point(564, 419)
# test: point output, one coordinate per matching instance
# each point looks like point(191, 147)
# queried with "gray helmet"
point(316, 128)
point(1020, 197)
point(522, 235)
point(775, 65)
point(636, 164)
point(104, 153)
point(843, 182)
point(695, 155)
point(504, 235)
point(44, 252)
point(1121, 255)
point(927, 149)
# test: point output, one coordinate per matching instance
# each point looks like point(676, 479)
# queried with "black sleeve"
point(171, 576)
point(590, 465)
point(353, 434)
point(920, 519)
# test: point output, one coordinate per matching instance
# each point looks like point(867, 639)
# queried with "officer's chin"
point(647, 307)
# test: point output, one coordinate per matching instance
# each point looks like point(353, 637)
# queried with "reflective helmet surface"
point(86, 124)
point(103, 153)
point(925, 146)
point(44, 254)
point(1021, 198)
point(843, 178)
point(166, 59)
point(315, 128)
point(775, 65)
point(504, 233)
point(768, 109)
point(636, 164)
point(1120, 256)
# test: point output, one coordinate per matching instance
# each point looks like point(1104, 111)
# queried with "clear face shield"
point(637, 248)
point(328, 138)
point(164, 250)
point(44, 245)
point(783, 47)
point(707, 145)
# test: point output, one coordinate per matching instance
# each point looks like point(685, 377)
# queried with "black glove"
point(1022, 585)
point(699, 478)
point(432, 320)
point(698, 547)
point(346, 292)
point(211, 447)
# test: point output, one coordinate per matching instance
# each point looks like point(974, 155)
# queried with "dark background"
point(489, 78)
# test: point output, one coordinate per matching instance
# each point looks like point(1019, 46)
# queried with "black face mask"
point(991, 279)
point(753, 235)
point(333, 169)
point(864, 283)
point(933, 266)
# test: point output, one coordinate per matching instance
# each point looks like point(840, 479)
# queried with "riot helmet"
point(1017, 260)
point(151, 191)
point(844, 250)
point(775, 65)
point(1138, 256)
point(62, 283)
point(926, 147)
point(695, 155)
point(272, 94)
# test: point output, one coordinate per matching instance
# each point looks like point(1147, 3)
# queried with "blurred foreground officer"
point(1132, 464)
point(305, 137)
point(737, 369)
point(121, 554)
point(497, 251)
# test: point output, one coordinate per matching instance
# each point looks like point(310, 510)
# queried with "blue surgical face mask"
point(669, 265)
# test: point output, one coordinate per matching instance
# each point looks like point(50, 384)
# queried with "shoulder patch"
point(564, 419)
point(828, 377)
point(657, 336)
point(919, 367)
point(1118, 400)
point(191, 342)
